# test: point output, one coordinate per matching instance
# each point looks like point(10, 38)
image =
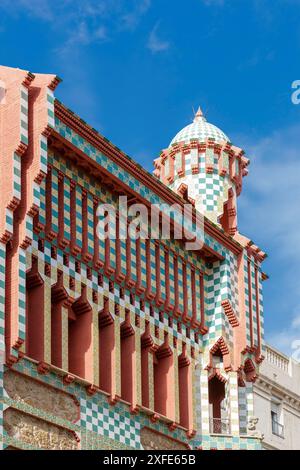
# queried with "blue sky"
point(135, 69)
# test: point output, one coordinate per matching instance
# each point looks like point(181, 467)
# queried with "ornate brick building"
point(120, 344)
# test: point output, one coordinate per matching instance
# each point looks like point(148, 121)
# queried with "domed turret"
point(202, 165)
point(200, 130)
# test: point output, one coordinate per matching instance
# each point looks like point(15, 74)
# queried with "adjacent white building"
point(277, 401)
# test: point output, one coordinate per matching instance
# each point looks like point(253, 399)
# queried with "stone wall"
point(151, 440)
point(24, 389)
point(36, 432)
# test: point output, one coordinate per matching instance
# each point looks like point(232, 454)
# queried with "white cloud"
point(42, 9)
point(296, 322)
point(288, 339)
point(82, 22)
point(272, 192)
point(84, 35)
point(155, 43)
point(131, 19)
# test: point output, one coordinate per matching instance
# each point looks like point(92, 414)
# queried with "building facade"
point(121, 343)
point(277, 401)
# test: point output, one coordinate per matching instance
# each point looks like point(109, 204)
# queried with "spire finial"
point(199, 116)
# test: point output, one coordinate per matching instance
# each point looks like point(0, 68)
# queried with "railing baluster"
point(220, 426)
point(277, 359)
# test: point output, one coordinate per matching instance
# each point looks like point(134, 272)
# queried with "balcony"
point(277, 359)
point(219, 426)
point(277, 429)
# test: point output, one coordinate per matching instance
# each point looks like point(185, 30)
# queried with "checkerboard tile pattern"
point(50, 108)
point(2, 294)
point(22, 294)
point(197, 399)
point(210, 192)
point(17, 176)
point(251, 301)
point(24, 114)
point(230, 443)
point(234, 404)
point(200, 130)
point(250, 399)
point(221, 283)
point(261, 313)
point(253, 296)
point(242, 409)
point(247, 299)
point(232, 282)
point(204, 404)
point(2, 353)
point(110, 422)
point(95, 441)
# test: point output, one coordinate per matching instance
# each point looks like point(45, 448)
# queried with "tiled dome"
point(200, 129)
